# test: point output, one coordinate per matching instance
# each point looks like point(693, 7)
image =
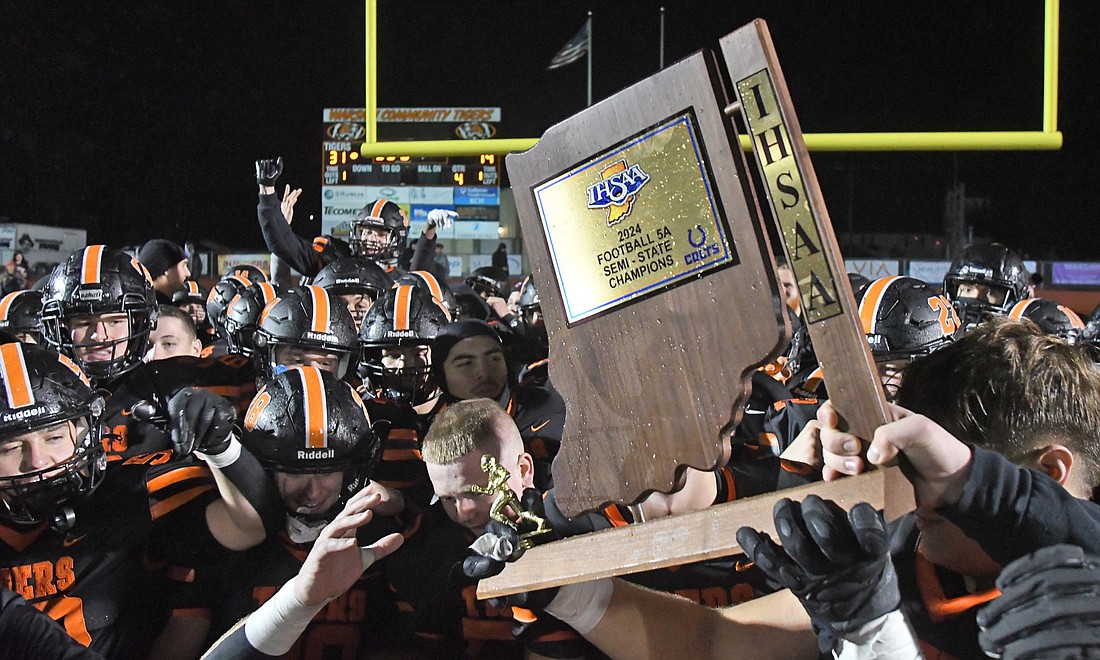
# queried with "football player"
point(395, 364)
point(468, 363)
point(191, 298)
point(357, 281)
point(78, 535)
point(1054, 319)
point(20, 312)
point(312, 433)
point(985, 280)
point(379, 232)
point(305, 326)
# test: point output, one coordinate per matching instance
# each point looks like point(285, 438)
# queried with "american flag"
point(573, 50)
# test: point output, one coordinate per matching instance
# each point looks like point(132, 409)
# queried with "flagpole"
point(589, 58)
point(662, 42)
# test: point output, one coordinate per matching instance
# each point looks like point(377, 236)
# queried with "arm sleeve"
point(1011, 511)
point(281, 239)
point(424, 256)
point(27, 633)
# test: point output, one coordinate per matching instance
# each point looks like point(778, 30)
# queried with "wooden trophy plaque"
point(657, 286)
point(660, 297)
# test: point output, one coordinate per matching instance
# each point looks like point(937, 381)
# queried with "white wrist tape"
point(889, 636)
point(226, 458)
point(275, 627)
point(582, 605)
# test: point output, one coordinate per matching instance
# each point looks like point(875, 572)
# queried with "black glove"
point(838, 565)
point(507, 539)
point(199, 420)
point(1049, 607)
point(268, 171)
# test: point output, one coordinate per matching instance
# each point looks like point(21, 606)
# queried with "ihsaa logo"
point(617, 189)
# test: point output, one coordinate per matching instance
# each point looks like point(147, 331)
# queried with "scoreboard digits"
point(351, 168)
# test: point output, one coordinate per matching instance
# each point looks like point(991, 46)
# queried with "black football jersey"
point(101, 580)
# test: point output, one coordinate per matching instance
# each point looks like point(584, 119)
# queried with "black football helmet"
point(217, 301)
point(192, 292)
point(427, 283)
point(530, 310)
point(379, 216)
point(100, 280)
point(1052, 318)
point(43, 388)
point(192, 299)
point(243, 314)
point(20, 312)
point(486, 282)
point(994, 266)
point(904, 318)
point(305, 421)
point(354, 276)
point(247, 271)
point(404, 318)
point(308, 317)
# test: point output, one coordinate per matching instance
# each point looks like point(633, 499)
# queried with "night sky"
point(143, 119)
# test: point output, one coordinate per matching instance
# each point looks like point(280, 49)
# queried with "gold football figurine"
point(506, 499)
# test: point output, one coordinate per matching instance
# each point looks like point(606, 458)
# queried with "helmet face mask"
point(379, 231)
point(485, 282)
point(55, 404)
point(985, 279)
point(355, 280)
point(242, 316)
point(396, 340)
point(306, 421)
point(306, 319)
point(99, 282)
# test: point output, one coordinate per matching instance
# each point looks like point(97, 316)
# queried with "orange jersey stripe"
point(93, 262)
point(176, 476)
point(872, 299)
point(17, 382)
point(316, 408)
point(176, 501)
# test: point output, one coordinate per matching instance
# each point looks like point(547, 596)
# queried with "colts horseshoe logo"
point(702, 237)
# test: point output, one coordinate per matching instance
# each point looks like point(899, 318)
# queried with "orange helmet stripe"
point(192, 288)
point(266, 311)
point(1074, 320)
point(268, 291)
point(433, 284)
point(64, 359)
point(91, 264)
point(321, 312)
point(6, 302)
point(1017, 311)
point(17, 382)
point(315, 408)
point(872, 300)
point(376, 209)
point(402, 307)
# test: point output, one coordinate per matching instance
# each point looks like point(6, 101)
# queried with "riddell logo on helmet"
point(89, 295)
point(400, 333)
point(347, 280)
point(23, 414)
point(320, 336)
point(316, 454)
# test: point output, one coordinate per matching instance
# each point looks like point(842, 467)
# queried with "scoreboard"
point(468, 185)
point(350, 168)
